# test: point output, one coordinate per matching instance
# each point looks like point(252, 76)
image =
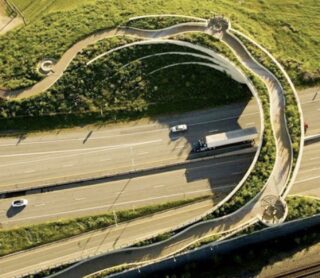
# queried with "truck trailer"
point(231, 138)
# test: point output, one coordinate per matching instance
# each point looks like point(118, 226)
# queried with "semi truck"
point(243, 137)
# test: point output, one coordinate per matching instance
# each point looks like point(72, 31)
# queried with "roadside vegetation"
point(126, 84)
point(262, 170)
point(300, 207)
point(292, 112)
point(289, 30)
point(22, 238)
point(160, 22)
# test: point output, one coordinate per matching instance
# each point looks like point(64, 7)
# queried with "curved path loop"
point(250, 212)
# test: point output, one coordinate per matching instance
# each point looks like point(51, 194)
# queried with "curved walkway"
point(250, 212)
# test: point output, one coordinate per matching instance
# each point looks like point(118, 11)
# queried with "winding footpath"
point(249, 213)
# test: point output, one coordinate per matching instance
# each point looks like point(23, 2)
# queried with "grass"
point(300, 207)
point(153, 23)
point(287, 29)
point(14, 240)
point(121, 85)
point(35, 9)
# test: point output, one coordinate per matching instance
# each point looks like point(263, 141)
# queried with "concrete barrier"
point(224, 247)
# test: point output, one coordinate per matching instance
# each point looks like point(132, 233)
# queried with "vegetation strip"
point(49, 33)
point(159, 22)
point(300, 207)
point(119, 86)
point(14, 240)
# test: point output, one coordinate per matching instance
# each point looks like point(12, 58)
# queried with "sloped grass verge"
point(159, 22)
point(121, 86)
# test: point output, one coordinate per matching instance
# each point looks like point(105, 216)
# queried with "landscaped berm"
point(138, 188)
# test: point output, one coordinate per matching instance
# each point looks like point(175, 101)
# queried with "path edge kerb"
point(294, 173)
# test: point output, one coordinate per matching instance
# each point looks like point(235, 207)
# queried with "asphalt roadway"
point(118, 236)
point(216, 176)
point(308, 179)
point(99, 241)
point(310, 101)
point(66, 155)
point(47, 158)
point(306, 184)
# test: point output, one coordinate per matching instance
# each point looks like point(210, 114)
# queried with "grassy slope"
point(32, 9)
point(275, 24)
point(106, 87)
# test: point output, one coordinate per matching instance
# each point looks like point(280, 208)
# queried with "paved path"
point(250, 211)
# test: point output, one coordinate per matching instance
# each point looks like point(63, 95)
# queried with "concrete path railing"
point(249, 212)
point(252, 210)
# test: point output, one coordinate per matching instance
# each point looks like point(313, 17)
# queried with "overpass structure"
point(277, 183)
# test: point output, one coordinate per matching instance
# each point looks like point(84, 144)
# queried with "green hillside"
point(289, 29)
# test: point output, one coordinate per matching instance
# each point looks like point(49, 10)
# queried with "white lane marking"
point(250, 124)
point(308, 179)
point(129, 134)
point(89, 149)
point(48, 158)
point(143, 153)
point(223, 119)
point(213, 130)
point(105, 159)
point(80, 198)
point(158, 186)
point(314, 158)
point(110, 205)
point(237, 173)
point(29, 171)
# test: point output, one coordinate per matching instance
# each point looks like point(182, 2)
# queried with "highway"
point(310, 102)
point(99, 241)
point(308, 179)
point(216, 176)
point(66, 155)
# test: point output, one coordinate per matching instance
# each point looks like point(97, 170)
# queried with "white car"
point(19, 203)
point(179, 128)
